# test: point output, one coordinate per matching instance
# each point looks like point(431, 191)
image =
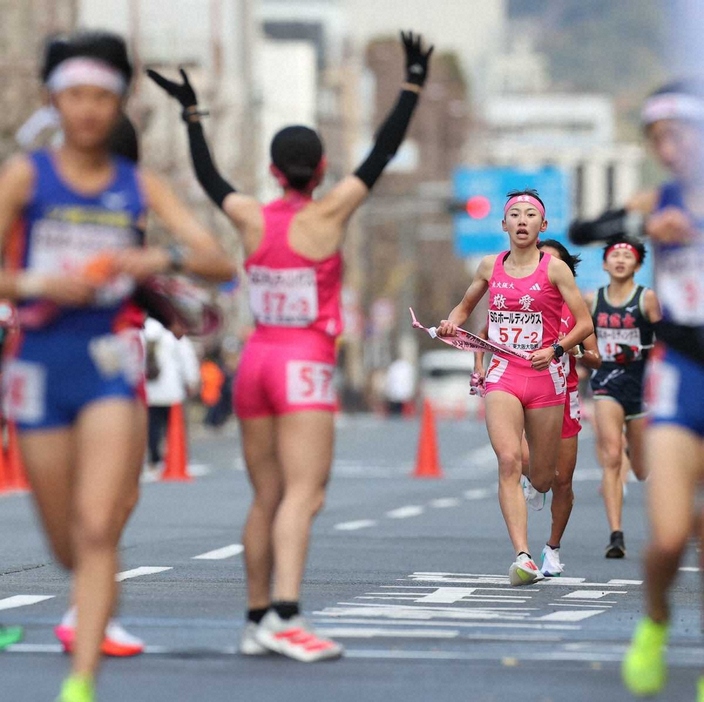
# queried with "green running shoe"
point(644, 671)
point(700, 690)
point(10, 635)
point(77, 688)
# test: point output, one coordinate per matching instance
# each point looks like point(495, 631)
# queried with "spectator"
point(172, 376)
point(400, 385)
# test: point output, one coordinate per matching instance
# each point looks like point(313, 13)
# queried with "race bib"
point(64, 246)
point(575, 412)
point(310, 383)
point(559, 377)
point(497, 367)
point(662, 383)
point(118, 355)
point(517, 330)
point(680, 285)
point(608, 341)
point(24, 391)
point(285, 297)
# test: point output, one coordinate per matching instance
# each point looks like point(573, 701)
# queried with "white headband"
point(672, 106)
point(86, 71)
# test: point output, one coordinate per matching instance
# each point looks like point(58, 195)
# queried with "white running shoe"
point(524, 571)
point(534, 499)
point(551, 568)
point(295, 639)
point(249, 646)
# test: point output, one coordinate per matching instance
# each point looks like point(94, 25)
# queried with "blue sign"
point(482, 234)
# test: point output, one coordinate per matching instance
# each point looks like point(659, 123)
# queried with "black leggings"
point(158, 423)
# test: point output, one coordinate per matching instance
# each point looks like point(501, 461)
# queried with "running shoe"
point(295, 639)
point(700, 690)
point(77, 689)
point(118, 642)
point(617, 546)
point(524, 571)
point(551, 568)
point(534, 499)
point(643, 670)
point(249, 646)
point(10, 635)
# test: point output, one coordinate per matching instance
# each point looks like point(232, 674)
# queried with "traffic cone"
point(18, 478)
point(176, 455)
point(427, 461)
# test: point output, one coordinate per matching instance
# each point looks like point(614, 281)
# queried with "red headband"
point(623, 245)
point(525, 198)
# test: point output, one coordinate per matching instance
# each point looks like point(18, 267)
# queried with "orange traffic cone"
point(176, 455)
point(427, 461)
point(18, 478)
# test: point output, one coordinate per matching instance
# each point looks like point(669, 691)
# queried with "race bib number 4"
point(285, 297)
point(310, 383)
point(517, 330)
point(609, 341)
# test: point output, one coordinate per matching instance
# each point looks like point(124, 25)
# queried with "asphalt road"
point(411, 575)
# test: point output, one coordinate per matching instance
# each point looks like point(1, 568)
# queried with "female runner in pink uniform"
point(526, 292)
point(284, 394)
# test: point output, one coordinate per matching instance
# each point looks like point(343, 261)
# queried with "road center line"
point(23, 600)
point(220, 553)
point(444, 502)
point(405, 512)
point(142, 570)
point(353, 526)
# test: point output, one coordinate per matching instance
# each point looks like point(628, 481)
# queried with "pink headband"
point(624, 245)
point(525, 198)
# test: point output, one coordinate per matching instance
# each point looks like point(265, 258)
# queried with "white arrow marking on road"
point(23, 600)
point(450, 595)
point(592, 594)
point(142, 570)
point(569, 615)
point(476, 494)
point(405, 512)
point(221, 553)
point(444, 502)
point(353, 526)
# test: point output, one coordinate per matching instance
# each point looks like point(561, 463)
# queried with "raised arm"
point(244, 211)
point(341, 202)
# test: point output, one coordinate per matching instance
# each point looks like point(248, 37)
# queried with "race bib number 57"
point(310, 383)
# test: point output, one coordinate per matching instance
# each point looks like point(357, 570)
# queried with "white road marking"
point(341, 632)
point(690, 569)
point(489, 579)
point(220, 553)
point(444, 502)
point(353, 526)
point(142, 570)
point(405, 512)
point(450, 595)
point(23, 601)
point(592, 594)
point(476, 494)
point(576, 615)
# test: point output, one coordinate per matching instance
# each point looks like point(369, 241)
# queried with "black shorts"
point(623, 384)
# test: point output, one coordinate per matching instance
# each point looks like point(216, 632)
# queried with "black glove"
point(625, 355)
point(416, 58)
point(183, 92)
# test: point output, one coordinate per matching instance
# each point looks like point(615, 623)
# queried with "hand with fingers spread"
point(183, 92)
point(416, 59)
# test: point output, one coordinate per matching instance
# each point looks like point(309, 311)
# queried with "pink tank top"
point(567, 323)
point(287, 291)
point(524, 313)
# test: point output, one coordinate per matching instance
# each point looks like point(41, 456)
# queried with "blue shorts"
point(675, 389)
point(55, 375)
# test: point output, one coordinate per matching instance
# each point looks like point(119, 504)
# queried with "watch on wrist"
point(558, 350)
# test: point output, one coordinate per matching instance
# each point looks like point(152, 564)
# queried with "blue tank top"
point(63, 230)
point(679, 268)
